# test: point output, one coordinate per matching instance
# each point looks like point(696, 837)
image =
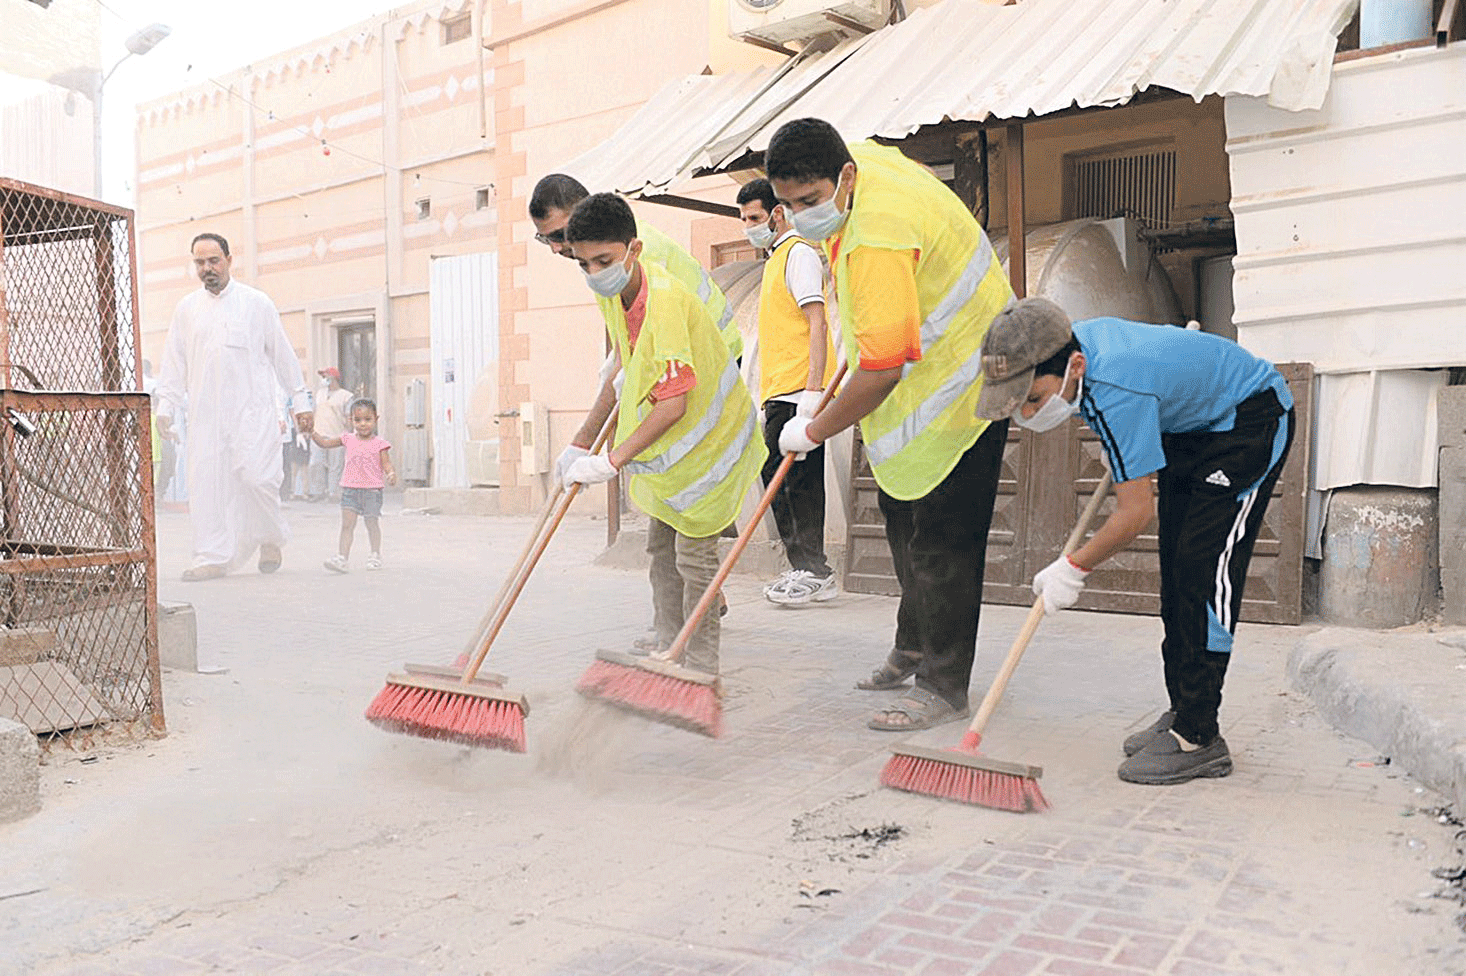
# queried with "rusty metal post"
point(9, 474)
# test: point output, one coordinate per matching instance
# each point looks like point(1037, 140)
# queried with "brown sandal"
point(890, 675)
point(918, 709)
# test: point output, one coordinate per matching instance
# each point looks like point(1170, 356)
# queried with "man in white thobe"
point(226, 358)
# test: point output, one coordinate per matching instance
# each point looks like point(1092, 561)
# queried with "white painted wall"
point(1350, 245)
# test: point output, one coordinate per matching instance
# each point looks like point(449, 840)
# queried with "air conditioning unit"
point(780, 21)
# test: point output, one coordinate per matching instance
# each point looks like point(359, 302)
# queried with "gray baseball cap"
point(1021, 336)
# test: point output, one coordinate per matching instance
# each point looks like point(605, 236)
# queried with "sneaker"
point(207, 571)
point(1141, 739)
point(1162, 762)
point(778, 585)
point(800, 586)
point(374, 561)
point(336, 564)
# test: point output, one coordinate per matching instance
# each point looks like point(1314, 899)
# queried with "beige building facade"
point(375, 184)
point(339, 172)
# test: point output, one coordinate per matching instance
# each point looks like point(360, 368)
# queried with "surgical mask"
point(821, 220)
point(1055, 409)
point(761, 236)
point(610, 281)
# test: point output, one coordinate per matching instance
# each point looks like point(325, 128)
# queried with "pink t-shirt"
point(363, 468)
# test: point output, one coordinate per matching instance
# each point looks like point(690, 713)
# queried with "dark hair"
point(1056, 364)
point(367, 402)
point(223, 244)
point(805, 150)
point(601, 217)
point(758, 190)
point(555, 192)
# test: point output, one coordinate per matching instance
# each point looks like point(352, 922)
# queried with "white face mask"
point(1054, 411)
point(760, 236)
point(821, 220)
point(610, 281)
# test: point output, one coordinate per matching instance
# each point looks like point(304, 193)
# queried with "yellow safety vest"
point(783, 332)
point(694, 476)
point(919, 432)
point(658, 248)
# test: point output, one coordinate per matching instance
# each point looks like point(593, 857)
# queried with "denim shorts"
point(366, 502)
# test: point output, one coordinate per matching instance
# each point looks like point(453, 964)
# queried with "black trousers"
point(799, 504)
point(939, 545)
point(1213, 493)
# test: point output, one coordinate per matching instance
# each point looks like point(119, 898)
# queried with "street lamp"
point(141, 42)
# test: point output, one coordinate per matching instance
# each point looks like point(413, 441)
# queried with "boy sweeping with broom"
point(687, 435)
point(1191, 418)
point(917, 285)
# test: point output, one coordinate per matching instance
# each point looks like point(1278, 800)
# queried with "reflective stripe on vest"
point(889, 444)
point(893, 442)
point(693, 437)
point(720, 470)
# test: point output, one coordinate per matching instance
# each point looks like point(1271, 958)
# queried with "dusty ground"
point(274, 831)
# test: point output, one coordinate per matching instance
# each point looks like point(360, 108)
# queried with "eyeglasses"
point(553, 237)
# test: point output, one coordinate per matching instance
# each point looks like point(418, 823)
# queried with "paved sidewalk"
point(274, 831)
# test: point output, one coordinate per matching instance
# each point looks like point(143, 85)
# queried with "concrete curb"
point(20, 771)
point(1400, 692)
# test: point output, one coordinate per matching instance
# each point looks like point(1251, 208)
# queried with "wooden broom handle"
point(493, 620)
point(674, 653)
point(1035, 615)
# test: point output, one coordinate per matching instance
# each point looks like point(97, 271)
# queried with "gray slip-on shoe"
point(1164, 763)
point(1141, 739)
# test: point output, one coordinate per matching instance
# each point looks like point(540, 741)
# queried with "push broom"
point(658, 687)
point(963, 774)
point(455, 704)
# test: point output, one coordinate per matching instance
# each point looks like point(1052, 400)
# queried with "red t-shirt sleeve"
point(679, 379)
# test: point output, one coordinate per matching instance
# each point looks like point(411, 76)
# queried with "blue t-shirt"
point(1142, 381)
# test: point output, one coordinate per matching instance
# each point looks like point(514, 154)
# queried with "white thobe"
point(226, 359)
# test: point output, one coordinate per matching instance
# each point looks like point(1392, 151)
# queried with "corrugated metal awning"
point(968, 60)
point(692, 123)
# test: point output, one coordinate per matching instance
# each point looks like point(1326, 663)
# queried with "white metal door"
point(463, 297)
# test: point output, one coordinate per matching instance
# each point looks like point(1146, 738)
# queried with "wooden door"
point(1044, 485)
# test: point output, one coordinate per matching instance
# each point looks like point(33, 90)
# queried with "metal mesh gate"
point(78, 580)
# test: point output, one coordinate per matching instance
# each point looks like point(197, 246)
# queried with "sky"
point(208, 40)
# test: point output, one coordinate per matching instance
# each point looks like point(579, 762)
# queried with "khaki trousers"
point(682, 569)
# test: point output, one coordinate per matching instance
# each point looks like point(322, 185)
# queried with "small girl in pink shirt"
point(367, 470)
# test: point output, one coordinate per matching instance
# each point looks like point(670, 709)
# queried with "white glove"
point(608, 366)
point(590, 470)
point(568, 457)
point(619, 382)
point(1059, 583)
point(809, 401)
point(794, 439)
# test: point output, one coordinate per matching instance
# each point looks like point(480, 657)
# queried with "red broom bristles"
point(467, 719)
point(686, 704)
point(963, 783)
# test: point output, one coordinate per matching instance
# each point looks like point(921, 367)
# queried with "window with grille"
point(1138, 182)
point(457, 28)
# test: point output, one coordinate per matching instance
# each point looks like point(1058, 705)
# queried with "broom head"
point(456, 671)
point(658, 690)
point(442, 706)
point(957, 774)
